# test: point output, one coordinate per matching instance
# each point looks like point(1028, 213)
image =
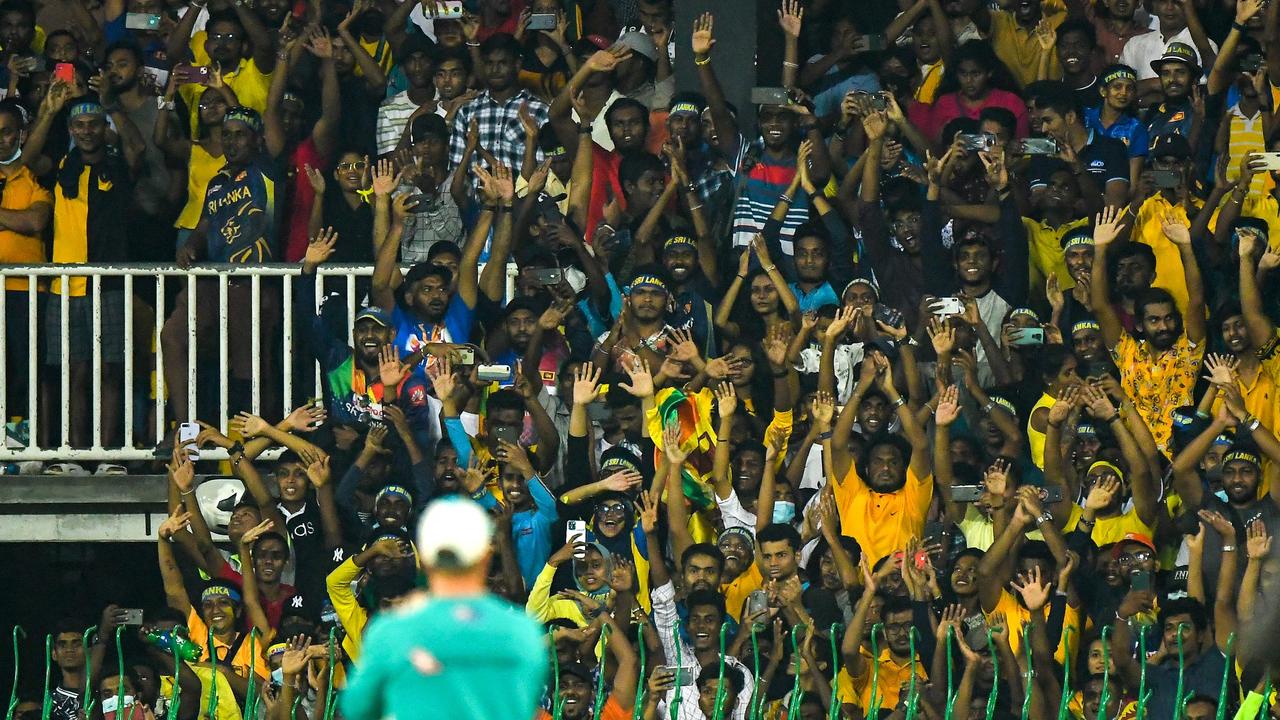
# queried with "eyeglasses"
point(894, 628)
point(223, 36)
point(613, 507)
point(1135, 558)
point(357, 165)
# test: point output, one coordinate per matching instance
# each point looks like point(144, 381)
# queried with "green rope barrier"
point(1227, 667)
point(994, 695)
point(797, 694)
point(213, 677)
point(675, 637)
point(46, 709)
point(119, 672)
point(293, 710)
point(951, 680)
point(1141, 711)
point(913, 692)
point(1106, 672)
point(174, 692)
point(604, 658)
point(329, 692)
point(1031, 673)
point(717, 713)
point(754, 710)
point(874, 711)
point(250, 697)
point(13, 689)
point(1065, 700)
point(833, 711)
point(1182, 667)
point(87, 702)
point(642, 689)
point(1266, 699)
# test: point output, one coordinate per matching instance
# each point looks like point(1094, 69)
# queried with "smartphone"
point(1269, 161)
point(576, 531)
point(449, 10)
point(684, 674)
point(977, 142)
point(874, 42)
point(757, 602)
point(541, 21)
point(464, 356)
point(64, 72)
point(493, 373)
point(887, 315)
point(966, 493)
point(944, 306)
point(141, 21)
point(770, 96)
point(29, 64)
point(187, 433)
point(192, 74)
point(132, 616)
point(507, 433)
point(1164, 179)
point(1038, 146)
point(1051, 494)
point(1027, 336)
point(548, 276)
point(879, 101)
point(1140, 580)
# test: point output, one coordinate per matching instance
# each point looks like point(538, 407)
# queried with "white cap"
point(454, 533)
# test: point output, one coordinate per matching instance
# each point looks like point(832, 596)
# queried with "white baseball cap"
point(454, 533)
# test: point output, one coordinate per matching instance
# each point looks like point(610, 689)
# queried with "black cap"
point(425, 126)
point(1170, 145)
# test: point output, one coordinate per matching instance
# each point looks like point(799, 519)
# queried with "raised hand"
point(1222, 368)
point(840, 324)
point(248, 424)
point(823, 409)
point(775, 344)
point(1107, 224)
point(790, 18)
point(385, 177)
point(648, 508)
point(1102, 494)
point(586, 384)
point(623, 481)
point(320, 247)
point(443, 380)
point(1062, 406)
point(671, 444)
point(948, 406)
point(318, 472)
point(1219, 523)
point(255, 532)
point(726, 399)
point(175, 523)
point(294, 661)
point(513, 454)
point(1257, 540)
point(641, 384)
point(390, 369)
point(703, 40)
point(941, 335)
point(683, 348)
point(1174, 229)
point(1033, 588)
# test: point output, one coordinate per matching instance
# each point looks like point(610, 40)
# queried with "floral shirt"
point(1157, 382)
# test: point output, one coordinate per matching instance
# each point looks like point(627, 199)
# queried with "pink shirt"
point(930, 119)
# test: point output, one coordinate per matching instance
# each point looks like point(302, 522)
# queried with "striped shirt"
point(764, 182)
point(393, 115)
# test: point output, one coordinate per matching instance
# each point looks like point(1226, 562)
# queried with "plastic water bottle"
point(172, 642)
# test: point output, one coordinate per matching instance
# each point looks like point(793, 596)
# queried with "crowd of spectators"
point(947, 391)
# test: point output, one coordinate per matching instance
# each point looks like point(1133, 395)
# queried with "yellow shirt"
point(1113, 529)
point(1018, 48)
point(930, 79)
point(21, 191)
point(1262, 206)
point(1035, 438)
point(1170, 274)
point(889, 680)
point(736, 592)
point(241, 662)
point(1045, 246)
point(200, 170)
point(1017, 616)
point(1157, 383)
point(1244, 137)
point(70, 230)
point(228, 708)
point(883, 522)
point(350, 612)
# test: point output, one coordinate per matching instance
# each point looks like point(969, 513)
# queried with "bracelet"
point(1045, 517)
point(788, 63)
point(769, 268)
point(825, 436)
point(189, 492)
point(584, 130)
point(473, 43)
point(236, 448)
point(1228, 548)
point(1237, 26)
point(1252, 423)
point(1113, 418)
point(986, 409)
point(694, 207)
point(898, 403)
point(742, 277)
point(704, 61)
point(163, 104)
point(784, 198)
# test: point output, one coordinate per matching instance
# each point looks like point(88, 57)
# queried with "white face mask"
point(277, 676)
point(17, 154)
point(109, 703)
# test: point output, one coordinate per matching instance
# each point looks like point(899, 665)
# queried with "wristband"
point(473, 43)
point(1237, 26)
point(770, 268)
point(189, 492)
point(785, 198)
point(898, 403)
point(584, 129)
point(1251, 423)
point(236, 448)
point(1113, 418)
point(1045, 517)
point(825, 436)
point(1228, 548)
point(986, 409)
point(704, 61)
point(788, 63)
point(780, 374)
point(163, 104)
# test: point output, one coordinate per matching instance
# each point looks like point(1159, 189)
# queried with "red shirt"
point(301, 197)
point(274, 609)
point(931, 119)
point(604, 180)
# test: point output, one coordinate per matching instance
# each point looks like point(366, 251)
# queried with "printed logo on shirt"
point(297, 601)
point(418, 396)
point(424, 662)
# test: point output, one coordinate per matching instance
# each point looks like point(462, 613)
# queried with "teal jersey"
point(472, 658)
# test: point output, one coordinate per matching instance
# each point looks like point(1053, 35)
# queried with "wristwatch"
point(1045, 517)
point(164, 104)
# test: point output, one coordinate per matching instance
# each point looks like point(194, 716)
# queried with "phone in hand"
point(1165, 179)
point(141, 21)
point(447, 10)
point(1264, 161)
point(64, 72)
point(548, 276)
point(684, 674)
point(757, 602)
point(131, 616)
point(192, 74)
point(1050, 494)
point(1038, 146)
point(507, 433)
point(887, 315)
point(966, 493)
point(1023, 337)
point(464, 356)
point(187, 433)
point(493, 373)
point(770, 96)
point(542, 21)
point(945, 306)
point(977, 142)
point(1140, 580)
point(575, 531)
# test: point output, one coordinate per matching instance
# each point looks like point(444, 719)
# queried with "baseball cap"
point(376, 314)
point(454, 534)
point(1082, 235)
point(1170, 145)
point(1178, 52)
point(1132, 538)
point(641, 43)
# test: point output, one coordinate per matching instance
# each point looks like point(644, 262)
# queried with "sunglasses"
point(357, 165)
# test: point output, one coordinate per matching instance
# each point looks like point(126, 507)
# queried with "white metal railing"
point(165, 277)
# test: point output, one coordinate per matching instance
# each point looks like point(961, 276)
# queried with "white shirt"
point(733, 514)
point(664, 619)
point(846, 357)
point(1141, 50)
point(393, 115)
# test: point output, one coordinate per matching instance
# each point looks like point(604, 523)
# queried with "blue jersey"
point(412, 334)
point(240, 207)
point(1128, 129)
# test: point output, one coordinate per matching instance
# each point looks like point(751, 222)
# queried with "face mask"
point(109, 703)
point(1222, 495)
point(783, 511)
point(277, 676)
point(17, 153)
